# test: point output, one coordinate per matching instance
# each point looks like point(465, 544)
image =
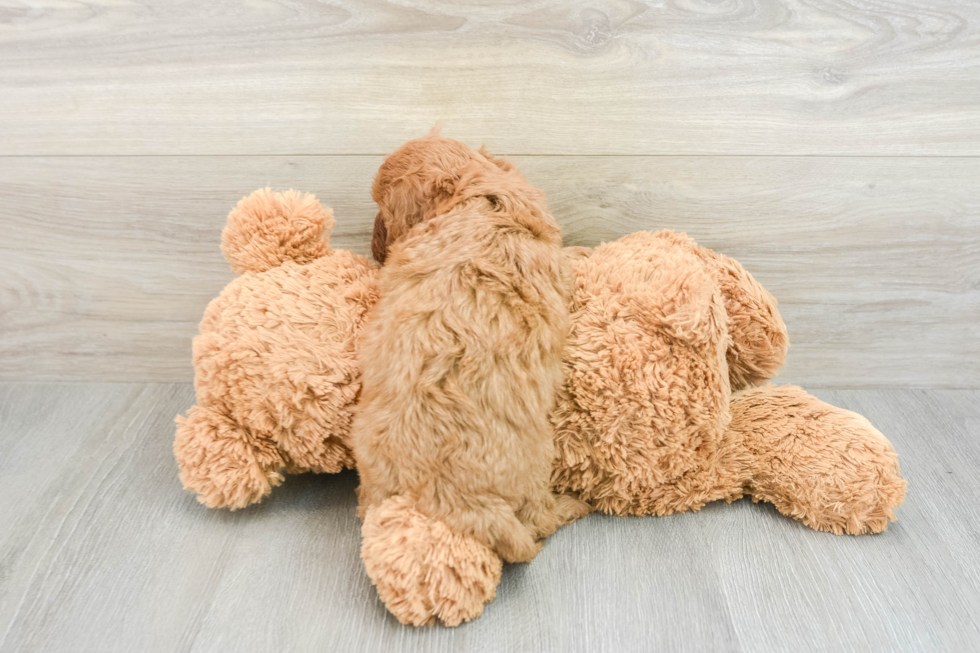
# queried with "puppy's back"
point(461, 361)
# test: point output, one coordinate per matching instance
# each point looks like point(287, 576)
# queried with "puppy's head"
point(423, 178)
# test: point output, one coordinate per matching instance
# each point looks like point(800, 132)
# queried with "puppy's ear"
point(401, 207)
point(379, 242)
point(407, 201)
point(404, 205)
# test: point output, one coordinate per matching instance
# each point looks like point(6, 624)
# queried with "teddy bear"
point(663, 407)
point(275, 363)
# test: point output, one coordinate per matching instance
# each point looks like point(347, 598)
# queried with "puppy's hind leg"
point(548, 513)
point(569, 508)
point(494, 522)
point(481, 514)
point(515, 542)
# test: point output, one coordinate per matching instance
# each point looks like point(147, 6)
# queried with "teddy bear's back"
point(277, 351)
point(641, 416)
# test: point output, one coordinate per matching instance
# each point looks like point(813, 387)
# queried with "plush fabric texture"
point(462, 355)
point(276, 366)
point(659, 406)
point(825, 466)
point(640, 422)
point(267, 229)
point(646, 423)
point(423, 570)
point(758, 338)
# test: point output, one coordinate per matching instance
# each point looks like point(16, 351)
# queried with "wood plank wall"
point(832, 147)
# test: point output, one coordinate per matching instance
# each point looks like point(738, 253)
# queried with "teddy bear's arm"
point(758, 335)
point(226, 465)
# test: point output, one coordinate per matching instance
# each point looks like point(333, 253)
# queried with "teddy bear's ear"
point(267, 229)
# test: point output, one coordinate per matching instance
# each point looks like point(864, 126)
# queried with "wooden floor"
point(101, 550)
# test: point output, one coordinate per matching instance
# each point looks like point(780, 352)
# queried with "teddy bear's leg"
point(423, 570)
point(228, 466)
point(825, 466)
point(758, 335)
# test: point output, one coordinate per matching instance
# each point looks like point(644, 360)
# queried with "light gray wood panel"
point(102, 550)
point(542, 77)
point(933, 544)
point(107, 263)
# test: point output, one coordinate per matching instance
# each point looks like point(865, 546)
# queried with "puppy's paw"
point(547, 516)
point(519, 545)
point(569, 509)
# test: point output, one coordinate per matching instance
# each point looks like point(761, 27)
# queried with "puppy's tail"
point(423, 570)
point(267, 228)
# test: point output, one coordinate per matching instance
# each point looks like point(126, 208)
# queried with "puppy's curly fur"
point(462, 355)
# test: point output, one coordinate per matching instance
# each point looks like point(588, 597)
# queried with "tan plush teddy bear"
point(276, 369)
point(659, 411)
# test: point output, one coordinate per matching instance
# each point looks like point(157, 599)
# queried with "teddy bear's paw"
point(860, 493)
point(825, 466)
point(423, 570)
point(866, 509)
point(222, 462)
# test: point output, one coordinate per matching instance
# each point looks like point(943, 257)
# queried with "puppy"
point(461, 357)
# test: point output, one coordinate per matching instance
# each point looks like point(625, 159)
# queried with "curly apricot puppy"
point(462, 354)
